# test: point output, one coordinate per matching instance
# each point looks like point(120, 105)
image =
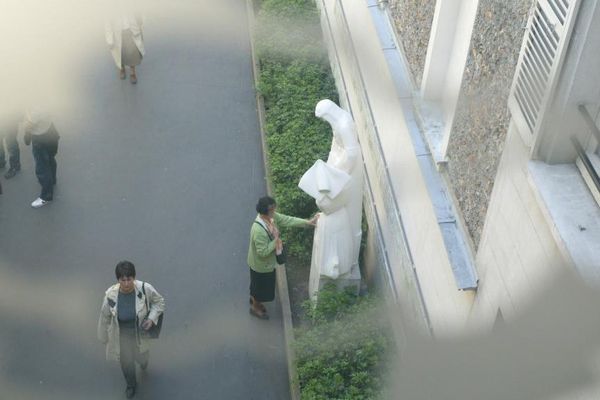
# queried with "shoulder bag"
point(282, 257)
point(154, 332)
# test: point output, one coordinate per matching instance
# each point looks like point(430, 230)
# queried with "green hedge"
point(294, 76)
point(342, 353)
point(345, 351)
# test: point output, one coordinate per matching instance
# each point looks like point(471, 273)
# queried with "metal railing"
point(587, 163)
point(589, 121)
point(581, 153)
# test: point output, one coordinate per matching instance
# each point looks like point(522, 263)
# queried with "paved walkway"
point(165, 174)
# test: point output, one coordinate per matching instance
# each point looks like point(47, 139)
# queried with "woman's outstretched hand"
point(314, 219)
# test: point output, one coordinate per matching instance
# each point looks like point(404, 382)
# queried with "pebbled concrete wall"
point(413, 20)
point(481, 122)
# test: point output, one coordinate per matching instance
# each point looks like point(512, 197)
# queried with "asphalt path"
point(166, 174)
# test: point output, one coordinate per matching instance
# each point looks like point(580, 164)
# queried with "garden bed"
point(294, 76)
point(341, 344)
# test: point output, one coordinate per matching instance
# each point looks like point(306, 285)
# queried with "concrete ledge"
point(571, 212)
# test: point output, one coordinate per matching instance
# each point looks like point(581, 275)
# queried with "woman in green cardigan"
point(265, 243)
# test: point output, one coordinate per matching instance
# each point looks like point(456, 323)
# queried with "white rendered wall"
point(447, 307)
point(517, 253)
point(446, 58)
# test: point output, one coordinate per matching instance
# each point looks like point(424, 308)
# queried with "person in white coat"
point(129, 308)
point(125, 39)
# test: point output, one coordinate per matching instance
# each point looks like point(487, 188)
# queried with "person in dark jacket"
point(8, 137)
point(39, 130)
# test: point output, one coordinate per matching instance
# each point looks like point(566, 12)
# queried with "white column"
point(446, 58)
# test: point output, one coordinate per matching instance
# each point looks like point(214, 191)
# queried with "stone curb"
point(282, 286)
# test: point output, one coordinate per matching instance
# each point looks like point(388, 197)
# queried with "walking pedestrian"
point(125, 39)
point(129, 310)
point(265, 243)
point(39, 130)
point(8, 137)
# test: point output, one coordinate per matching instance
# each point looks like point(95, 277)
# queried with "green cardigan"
point(261, 253)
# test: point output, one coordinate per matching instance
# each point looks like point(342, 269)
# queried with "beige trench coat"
point(113, 31)
point(108, 325)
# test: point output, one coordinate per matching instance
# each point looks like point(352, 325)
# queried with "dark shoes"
point(133, 78)
point(11, 172)
point(258, 309)
point(258, 313)
point(258, 305)
point(130, 392)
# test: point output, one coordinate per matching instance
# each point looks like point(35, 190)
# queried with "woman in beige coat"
point(125, 39)
point(129, 308)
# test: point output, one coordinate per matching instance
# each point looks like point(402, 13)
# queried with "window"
point(588, 160)
point(542, 52)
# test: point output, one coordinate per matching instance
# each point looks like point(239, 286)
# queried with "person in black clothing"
point(39, 130)
point(8, 137)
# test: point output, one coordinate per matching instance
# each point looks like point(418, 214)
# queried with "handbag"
point(154, 332)
point(281, 257)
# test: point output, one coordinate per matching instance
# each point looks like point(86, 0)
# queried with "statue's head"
point(324, 108)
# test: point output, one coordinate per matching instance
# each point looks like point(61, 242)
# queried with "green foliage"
point(292, 9)
point(344, 351)
point(332, 304)
point(295, 75)
point(289, 30)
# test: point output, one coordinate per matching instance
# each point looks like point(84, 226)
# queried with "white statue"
point(337, 188)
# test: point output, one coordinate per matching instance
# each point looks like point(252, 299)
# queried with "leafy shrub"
point(290, 9)
point(289, 30)
point(341, 354)
point(294, 76)
point(344, 351)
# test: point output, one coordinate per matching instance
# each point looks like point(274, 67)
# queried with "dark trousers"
point(44, 154)
point(12, 147)
point(129, 355)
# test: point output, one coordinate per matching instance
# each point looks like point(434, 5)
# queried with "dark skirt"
point(262, 285)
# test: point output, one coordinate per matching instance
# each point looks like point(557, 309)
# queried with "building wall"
point(386, 248)
point(517, 253)
point(487, 168)
point(481, 121)
point(412, 241)
point(413, 23)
